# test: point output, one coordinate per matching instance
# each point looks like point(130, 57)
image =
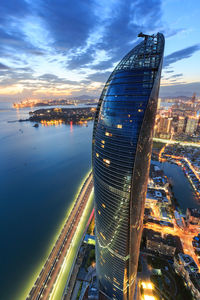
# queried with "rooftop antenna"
point(146, 36)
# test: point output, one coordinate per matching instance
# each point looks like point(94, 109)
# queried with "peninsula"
point(62, 115)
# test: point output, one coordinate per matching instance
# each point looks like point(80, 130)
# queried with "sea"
point(41, 170)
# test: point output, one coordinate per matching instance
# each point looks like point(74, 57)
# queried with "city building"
point(180, 124)
point(191, 125)
point(194, 284)
point(193, 218)
point(163, 129)
point(185, 266)
point(162, 245)
point(122, 144)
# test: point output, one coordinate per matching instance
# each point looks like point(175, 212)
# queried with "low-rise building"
point(193, 218)
point(194, 284)
point(186, 267)
point(165, 245)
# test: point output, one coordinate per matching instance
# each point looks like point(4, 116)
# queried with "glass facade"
point(122, 141)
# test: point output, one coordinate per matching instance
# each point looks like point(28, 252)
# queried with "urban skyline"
point(100, 150)
point(55, 49)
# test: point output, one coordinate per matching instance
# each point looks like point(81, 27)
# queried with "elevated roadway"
point(49, 273)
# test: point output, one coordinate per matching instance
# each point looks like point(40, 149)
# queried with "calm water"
point(40, 172)
point(182, 189)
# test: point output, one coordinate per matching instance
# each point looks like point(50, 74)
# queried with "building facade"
point(191, 125)
point(122, 144)
point(193, 218)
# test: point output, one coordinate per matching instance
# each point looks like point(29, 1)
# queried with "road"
point(185, 236)
point(47, 277)
point(165, 141)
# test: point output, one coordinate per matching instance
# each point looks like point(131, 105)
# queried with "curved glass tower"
point(122, 144)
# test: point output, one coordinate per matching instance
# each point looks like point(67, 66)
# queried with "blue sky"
point(55, 48)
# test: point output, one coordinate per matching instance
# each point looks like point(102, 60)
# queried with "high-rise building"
point(191, 125)
point(163, 127)
point(122, 144)
point(180, 124)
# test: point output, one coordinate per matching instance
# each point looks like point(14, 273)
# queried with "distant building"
point(191, 125)
point(164, 126)
point(180, 124)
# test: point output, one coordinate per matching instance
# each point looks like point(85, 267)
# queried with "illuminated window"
point(99, 212)
point(115, 280)
point(102, 235)
point(108, 133)
point(103, 142)
point(129, 116)
point(119, 126)
point(102, 146)
point(97, 154)
point(107, 161)
point(131, 121)
point(103, 205)
point(140, 110)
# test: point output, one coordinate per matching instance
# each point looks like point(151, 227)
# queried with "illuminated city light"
point(147, 297)
point(108, 133)
point(107, 161)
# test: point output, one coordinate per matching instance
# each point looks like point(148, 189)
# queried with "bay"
point(40, 172)
point(181, 187)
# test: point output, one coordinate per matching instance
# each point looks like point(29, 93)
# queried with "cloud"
point(176, 75)
point(51, 78)
point(128, 19)
point(81, 60)
point(170, 32)
point(181, 54)
point(99, 77)
point(44, 41)
point(173, 77)
point(3, 67)
point(11, 76)
point(117, 32)
point(103, 65)
point(184, 89)
point(70, 23)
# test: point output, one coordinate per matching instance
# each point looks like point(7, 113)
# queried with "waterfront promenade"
point(45, 281)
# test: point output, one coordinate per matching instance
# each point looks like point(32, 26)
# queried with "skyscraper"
point(122, 144)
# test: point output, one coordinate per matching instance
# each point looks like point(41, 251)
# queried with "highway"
point(47, 277)
point(183, 143)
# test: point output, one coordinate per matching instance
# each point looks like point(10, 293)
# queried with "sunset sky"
point(58, 48)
